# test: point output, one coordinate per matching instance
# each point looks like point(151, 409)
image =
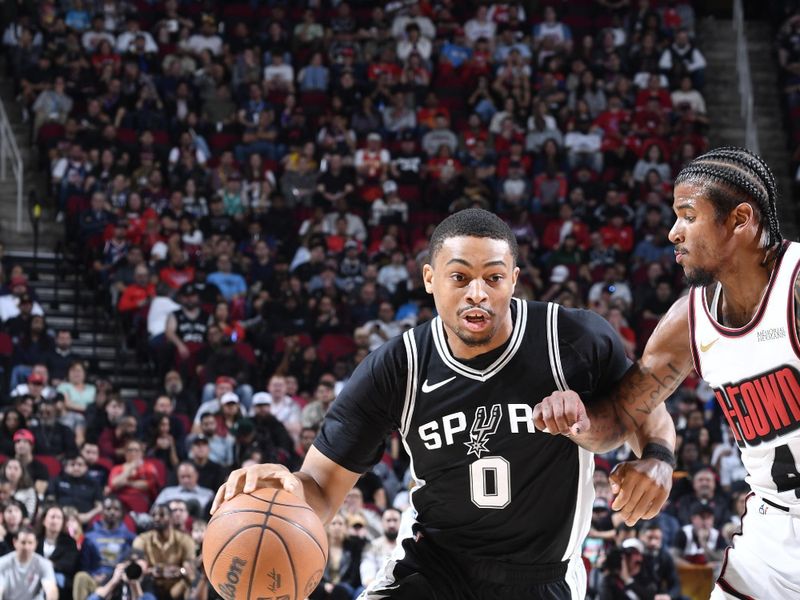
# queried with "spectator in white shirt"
point(414, 42)
point(583, 146)
point(683, 56)
point(385, 327)
point(426, 26)
point(395, 273)
point(128, 37)
point(279, 76)
point(686, 94)
point(206, 39)
point(284, 408)
point(480, 26)
point(90, 39)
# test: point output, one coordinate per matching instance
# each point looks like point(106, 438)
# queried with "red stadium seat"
point(161, 470)
point(220, 142)
point(6, 344)
point(332, 347)
point(140, 406)
point(52, 464)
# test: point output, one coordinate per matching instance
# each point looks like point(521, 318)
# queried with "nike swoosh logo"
point(707, 347)
point(427, 389)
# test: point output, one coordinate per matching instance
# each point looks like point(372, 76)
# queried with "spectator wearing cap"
point(188, 489)
point(25, 575)
point(212, 397)
point(230, 412)
point(10, 303)
point(52, 437)
point(699, 542)
point(205, 39)
point(74, 487)
point(273, 440)
point(704, 491)
point(220, 443)
point(659, 566)
point(210, 474)
point(24, 442)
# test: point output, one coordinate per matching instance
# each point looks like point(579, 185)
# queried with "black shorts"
point(428, 573)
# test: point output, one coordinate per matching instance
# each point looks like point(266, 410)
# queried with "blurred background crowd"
point(251, 187)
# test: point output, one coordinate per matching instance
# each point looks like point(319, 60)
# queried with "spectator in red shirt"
point(137, 295)
point(616, 234)
point(135, 482)
point(566, 224)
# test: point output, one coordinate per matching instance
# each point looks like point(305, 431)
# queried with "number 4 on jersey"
point(784, 471)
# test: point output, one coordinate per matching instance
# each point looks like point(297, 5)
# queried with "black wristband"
point(659, 452)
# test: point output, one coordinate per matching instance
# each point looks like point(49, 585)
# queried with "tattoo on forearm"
point(642, 391)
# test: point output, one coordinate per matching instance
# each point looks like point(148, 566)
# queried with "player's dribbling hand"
point(642, 486)
point(254, 477)
point(561, 413)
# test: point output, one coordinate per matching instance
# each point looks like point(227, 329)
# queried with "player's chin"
point(476, 338)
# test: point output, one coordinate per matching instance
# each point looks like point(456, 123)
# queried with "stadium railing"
point(745, 81)
point(9, 152)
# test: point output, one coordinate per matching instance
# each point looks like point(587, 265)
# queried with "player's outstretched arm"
point(322, 483)
point(632, 410)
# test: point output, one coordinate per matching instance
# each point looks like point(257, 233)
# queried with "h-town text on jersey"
point(763, 407)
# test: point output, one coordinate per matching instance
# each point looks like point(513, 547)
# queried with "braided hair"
point(728, 173)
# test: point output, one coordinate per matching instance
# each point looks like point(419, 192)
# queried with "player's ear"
point(743, 217)
point(514, 275)
point(427, 277)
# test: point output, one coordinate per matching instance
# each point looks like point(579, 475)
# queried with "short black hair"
point(473, 222)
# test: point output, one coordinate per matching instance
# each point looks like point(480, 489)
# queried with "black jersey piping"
point(440, 342)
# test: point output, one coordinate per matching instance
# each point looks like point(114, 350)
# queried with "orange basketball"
point(268, 545)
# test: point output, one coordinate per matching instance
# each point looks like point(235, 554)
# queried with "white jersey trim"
point(412, 381)
point(581, 520)
point(517, 335)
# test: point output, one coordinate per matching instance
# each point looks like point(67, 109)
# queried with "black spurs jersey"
point(489, 486)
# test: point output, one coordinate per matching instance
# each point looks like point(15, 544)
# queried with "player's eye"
point(458, 277)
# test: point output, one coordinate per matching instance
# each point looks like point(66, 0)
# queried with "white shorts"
point(764, 560)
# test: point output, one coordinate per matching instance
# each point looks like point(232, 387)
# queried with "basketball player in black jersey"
point(499, 509)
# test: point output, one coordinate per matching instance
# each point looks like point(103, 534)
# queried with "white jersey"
point(755, 374)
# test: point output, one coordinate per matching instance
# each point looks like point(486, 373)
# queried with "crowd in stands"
point(252, 186)
point(785, 18)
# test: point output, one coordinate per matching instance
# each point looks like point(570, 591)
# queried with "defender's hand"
point(642, 487)
point(561, 413)
point(255, 477)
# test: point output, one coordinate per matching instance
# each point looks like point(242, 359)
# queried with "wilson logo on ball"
point(228, 589)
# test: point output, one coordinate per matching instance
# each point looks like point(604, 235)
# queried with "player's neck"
point(744, 285)
point(463, 351)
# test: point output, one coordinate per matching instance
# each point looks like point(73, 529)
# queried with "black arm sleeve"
point(592, 354)
point(367, 409)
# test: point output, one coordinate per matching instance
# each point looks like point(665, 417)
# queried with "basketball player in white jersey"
point(739, 328)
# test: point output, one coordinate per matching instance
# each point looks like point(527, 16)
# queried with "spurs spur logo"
point(483, 427)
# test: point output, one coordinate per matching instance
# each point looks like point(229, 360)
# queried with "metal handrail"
point(10, 151)
point(745, 81)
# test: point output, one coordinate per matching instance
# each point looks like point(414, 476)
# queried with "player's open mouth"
point(476, 319)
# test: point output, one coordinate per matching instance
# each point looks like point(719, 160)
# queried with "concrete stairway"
point(34, 181)
point(723, 101)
